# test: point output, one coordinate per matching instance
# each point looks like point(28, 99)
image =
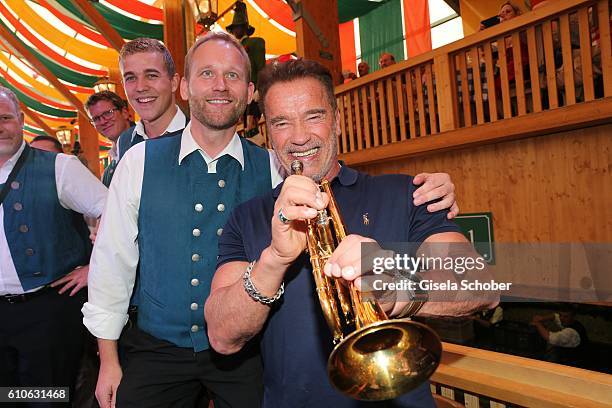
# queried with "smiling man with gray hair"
point(44, 255)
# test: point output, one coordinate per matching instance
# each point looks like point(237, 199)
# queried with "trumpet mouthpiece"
point(297, 167)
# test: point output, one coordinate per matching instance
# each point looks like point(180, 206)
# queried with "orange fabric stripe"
point(347, 46)
point(418, 31)
point(278, 11)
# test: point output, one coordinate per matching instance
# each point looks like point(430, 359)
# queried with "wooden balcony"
point(472, 92)
point(507, 380)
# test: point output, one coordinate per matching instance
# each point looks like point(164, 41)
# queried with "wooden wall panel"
point(550, 188)
point(325, 14)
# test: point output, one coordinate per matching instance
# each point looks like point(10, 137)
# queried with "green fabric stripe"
point(59, 71)
point(65, 74)
point(37, 106)
point(381, 31)
point(67, 4)
point(70, 13)
point(350, 9)
point(32, 130)
point(127, 27)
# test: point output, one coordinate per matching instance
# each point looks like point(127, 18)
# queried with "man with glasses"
point(109, 115)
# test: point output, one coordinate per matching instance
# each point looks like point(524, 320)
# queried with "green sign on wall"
point(478, 228)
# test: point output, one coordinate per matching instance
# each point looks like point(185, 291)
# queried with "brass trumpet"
point(375, 358)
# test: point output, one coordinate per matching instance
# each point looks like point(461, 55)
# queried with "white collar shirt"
point(77, 189)
point(115, 257)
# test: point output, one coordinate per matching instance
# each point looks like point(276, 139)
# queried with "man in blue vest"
point(109, 114)
point(170, 198)
point(167, 206)
point(264, 283)
point(43, 244)
point(150, 81)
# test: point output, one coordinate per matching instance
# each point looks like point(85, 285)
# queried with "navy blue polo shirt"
point(296, 341)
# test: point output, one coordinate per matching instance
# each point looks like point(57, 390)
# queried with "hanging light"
point(104, 84)
point(64, 135)
point(205, 12)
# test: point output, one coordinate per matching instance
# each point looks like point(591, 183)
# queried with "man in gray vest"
point(167, 205)
point(43, 244)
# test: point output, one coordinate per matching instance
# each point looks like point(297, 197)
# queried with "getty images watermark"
point(447, 272)
point(566, 272)
point(407, 266)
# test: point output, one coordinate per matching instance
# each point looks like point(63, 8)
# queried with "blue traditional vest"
point(46, 240)
point(182, 211)
point(125, 142)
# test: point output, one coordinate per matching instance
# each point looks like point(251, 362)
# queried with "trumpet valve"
point(322, 218)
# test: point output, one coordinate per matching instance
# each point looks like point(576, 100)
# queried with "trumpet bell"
point(384, 360)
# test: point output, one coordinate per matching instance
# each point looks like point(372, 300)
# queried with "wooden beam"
point(324, 13)
point(175, 39)
point(103, 26)
point(43, 70)
point(88, 137)
point(447, 109)
point(34, 116)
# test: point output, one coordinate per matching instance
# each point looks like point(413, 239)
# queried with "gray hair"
point(12, 97)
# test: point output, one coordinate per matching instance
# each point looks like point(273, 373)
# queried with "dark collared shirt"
point(296, 341)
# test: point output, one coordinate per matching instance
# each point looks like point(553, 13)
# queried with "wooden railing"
point(518, 381)
point(514, 69)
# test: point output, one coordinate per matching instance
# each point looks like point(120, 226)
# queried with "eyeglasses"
point(104, 115)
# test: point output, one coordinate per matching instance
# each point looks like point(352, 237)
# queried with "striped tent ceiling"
point(62, 39)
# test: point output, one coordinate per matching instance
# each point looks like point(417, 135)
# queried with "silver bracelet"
point(252, 291)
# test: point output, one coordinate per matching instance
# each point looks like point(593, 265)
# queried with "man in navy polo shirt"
point(167, 205)
point(247, 299)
